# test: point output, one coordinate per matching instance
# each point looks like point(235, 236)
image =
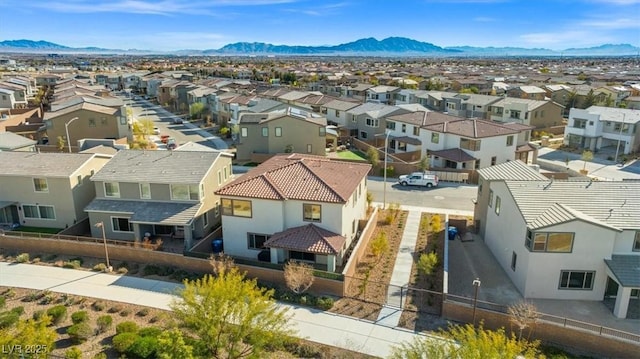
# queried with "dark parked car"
point(178, 121)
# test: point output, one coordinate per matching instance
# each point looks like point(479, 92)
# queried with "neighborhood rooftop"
point(299, 177)
point(35, 164)
point(512, 170)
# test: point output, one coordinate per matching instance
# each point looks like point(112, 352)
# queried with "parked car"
point(156, 130)
point(419, 179)
point(172, 144)
point(178, 121)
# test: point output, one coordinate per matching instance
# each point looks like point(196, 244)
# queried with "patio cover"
point(309, 238)
point(454, 154)
point(167, 213)
point(4, 204)
point(626, 269)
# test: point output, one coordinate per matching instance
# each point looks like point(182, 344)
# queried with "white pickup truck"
point(419, 179)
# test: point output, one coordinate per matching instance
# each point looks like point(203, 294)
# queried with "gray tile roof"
point(11, 141)
point(615, 114)
point(626, 269)
point(157, 166)
point(341, 105)
point(512, 170)
point(558, 213)
point(171, 213)
point(34, 164)
point(613, 204)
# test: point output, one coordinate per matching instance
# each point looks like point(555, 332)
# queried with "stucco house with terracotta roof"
point(294, 206)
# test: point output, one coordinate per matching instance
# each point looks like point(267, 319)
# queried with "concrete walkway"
point(401, 275)
point(315, 325)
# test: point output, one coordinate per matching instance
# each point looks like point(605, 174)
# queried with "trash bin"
point(217, 246)
point(452, 232)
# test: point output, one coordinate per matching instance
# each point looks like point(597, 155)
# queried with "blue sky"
point(207, 24)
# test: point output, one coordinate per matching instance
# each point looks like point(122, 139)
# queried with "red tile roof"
point(309, 238)
point(453, 154)
point(299, 177)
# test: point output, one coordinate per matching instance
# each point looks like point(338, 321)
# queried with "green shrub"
point(127, 327)
point(123, 341)
point(150, 332)
point(3, 302)
point(72, 264)
point(79, 317)
point(325, 303)
point(427, 263)
point(123, 270)
point(8, 319)
point(116, 308)
point(101, 355)
point(22, 258)
point(57, 313)
point(38, 314)
point(98, 306)
point(47, 298)
point(143, 312)
point(9, 293)
point(73, 353)
point(100, 267)
point(77, 259)
point(143, 347)
point(104, 322)
point(125, 312)
point(32, 297)
point(17, 310)
point(80, 332)
point(150, 269)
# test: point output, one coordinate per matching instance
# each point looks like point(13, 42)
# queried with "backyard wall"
point(570, 338)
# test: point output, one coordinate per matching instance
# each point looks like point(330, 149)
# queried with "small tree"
point(369, 199)
point(288, 148)
point(61, 143)
point(298, 276)
point(427, 263)
point(586, 156)
point(435, 224)
point(171, 345)
point(221, 263)
point(379, 244)
point(423, 165)
point(523, 315)
point(196, 109)
point(373, 156)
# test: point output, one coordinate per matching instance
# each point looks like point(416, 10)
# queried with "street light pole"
point(66, 129)
point(386, 156)
point(476, 284)
point(104, 241)
point(619, 138)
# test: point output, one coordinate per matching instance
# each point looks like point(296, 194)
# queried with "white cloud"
point(618, 2)
point(564, 39)
point(612, 23)
point(324, 10)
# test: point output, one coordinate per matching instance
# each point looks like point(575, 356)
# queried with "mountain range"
point(392, 46)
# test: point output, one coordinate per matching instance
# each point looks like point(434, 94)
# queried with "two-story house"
point(368, 120)
point(468, 105)
point(297, 207)
point(571, 240)
point(10, 141)
point(539, 114)
point(279, 132)
point(527, 92)
point(164, 193)
point(46, 189)
point(382, 94)
point(601, 127)
point(336, 111)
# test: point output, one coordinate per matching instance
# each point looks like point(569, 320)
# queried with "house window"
point(40, 185)
point(278, 131)
point(265, 132)
point(363, 134)
point(312, 212)
point(337, 113)
point(256, 241)
point(92, 122)
point(471, 145)
point(509, 140)
point(121, 224)
point(490, 198)
point(404, 128)
point(236, 207)
point(576, 279)
point(477, 164)
point(498, 203)
point(514, 260)
point(226, 174)
point(244, 132)
point(302, 256)
point(219, 178)
point(493, 160)
point(39, 211)
point(103, 121)
point(145, 191)
point(636, 242)
point(205, 219)
point(217, 209)
point(185, 192)
point(402, 146)
point(391, 125)
point(527, 135)
point(515, 114)
point(416, 131)
point(451, 105)
point(554, 242)
point(435, 137)
point(309, 148)
point(322, 131)
point(372, 122)
point(112, 189)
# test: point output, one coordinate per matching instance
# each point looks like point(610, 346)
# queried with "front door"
point(611, 290)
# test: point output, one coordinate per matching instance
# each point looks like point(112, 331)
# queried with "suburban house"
point(87, 120)
point(404, 129)
point(382, 94)
point(14, 93)
point(46, 189)
point(336, 111)
point(159, 193)
point(572, 240)
point(597, 128)
point(368, 120)
point(279, 132)
point(10, 141)
point(7, 99)
point(528, 92)
point(468, 105)
point(539, 114)
point(299, 207)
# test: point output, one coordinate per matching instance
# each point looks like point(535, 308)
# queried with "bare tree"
point(298, 276)
point(523, 315)
point(221, 263)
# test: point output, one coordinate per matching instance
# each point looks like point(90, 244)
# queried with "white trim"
point(104, 185)
point(140, 188)
point(119, 231)
point(33, 181)
point(37, 206)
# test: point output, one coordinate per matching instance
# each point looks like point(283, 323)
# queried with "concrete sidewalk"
point(315, 325)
